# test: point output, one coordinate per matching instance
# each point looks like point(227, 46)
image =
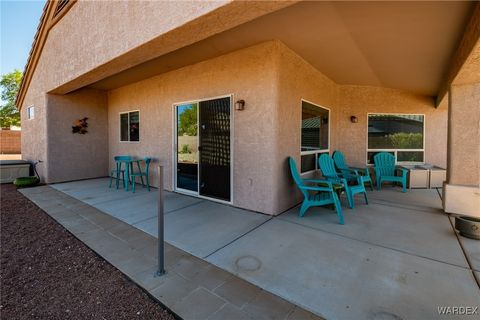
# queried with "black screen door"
point(214, 148)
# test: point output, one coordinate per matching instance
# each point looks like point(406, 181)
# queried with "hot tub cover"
point(12, 162)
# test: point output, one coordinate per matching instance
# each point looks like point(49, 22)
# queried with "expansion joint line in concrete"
point(240, 236)
point(374, 244)
point(439, 194)
point(470, 266)
point(187, 206)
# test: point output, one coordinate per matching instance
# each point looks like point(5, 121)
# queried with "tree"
point(10, 84)
point(188, 121)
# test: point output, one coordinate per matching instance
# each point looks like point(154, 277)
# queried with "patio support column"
point(461, 192)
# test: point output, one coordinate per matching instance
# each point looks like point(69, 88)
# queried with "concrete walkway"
point(396, 258)
point(188, 220)
point(192, 288)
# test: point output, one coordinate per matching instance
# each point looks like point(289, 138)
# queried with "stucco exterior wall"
point(34, 131)
point(114, 38)
point(461, 192)
point(299, 80)
point(109, 31)
point(270, 77)
point(359, 101)
point(248, 74)
point(464, 135)
point(273, 80)
point(73, 156)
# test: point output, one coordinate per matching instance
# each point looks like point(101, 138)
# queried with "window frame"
point(33, 112)
point(120, 126)
point(316, 152)
point(395, 151)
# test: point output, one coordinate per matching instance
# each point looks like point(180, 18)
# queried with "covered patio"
point(399, 257)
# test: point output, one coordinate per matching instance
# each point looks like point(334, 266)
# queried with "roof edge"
point(463, 51)
point(47, 20)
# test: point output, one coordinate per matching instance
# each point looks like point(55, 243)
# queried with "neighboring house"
point(253, 83)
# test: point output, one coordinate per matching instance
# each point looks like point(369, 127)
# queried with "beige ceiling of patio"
point(403, 45)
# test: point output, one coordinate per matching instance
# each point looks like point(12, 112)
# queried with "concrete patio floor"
point(397, 258)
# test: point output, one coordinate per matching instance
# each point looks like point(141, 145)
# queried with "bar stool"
point(115, 173)
point(141, 174)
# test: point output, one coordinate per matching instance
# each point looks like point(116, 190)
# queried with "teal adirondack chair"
point(350, 172)
point(324, 194)
point(327, 166)
point(141, 174)
point(385, 170)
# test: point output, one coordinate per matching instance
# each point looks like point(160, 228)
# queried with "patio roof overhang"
point(401, 45)
point(419, 47)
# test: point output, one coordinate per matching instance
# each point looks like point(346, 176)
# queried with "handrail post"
point(161, 225)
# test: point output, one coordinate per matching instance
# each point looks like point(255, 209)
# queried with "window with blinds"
point(315, 130)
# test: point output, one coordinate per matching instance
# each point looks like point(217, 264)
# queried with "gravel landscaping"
point(46, 273)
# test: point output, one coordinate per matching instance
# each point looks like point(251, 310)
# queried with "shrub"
point(185, 149)
point(402, 140)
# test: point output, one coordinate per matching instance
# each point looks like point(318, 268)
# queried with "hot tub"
point(13, 169)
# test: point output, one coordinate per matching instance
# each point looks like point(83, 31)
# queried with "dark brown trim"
point(61, 13)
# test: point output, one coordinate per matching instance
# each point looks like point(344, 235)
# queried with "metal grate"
point(215, 148)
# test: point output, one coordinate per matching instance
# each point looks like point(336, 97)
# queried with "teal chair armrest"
point(314, 188)
point(363, 171)
point(350, 170)
point(341, 181)
point(319, 181)
point(331, 177)
point(359, 179)
point(357, 175)
point(335, 186)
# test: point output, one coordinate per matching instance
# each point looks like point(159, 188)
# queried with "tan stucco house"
point(222, 92)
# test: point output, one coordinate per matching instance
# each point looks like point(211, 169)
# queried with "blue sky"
point(19, 21)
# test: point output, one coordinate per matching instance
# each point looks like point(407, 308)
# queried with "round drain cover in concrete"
point(248, 263)
point(384, 315)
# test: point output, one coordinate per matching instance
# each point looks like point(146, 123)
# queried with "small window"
point(399, 134)
point(30, 113)
point(130, 126)
point(314, 135)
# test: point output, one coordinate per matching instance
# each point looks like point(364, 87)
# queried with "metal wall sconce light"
point(240, 105)
point(353, 119)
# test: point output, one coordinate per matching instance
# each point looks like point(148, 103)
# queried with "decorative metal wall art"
point(80, 126)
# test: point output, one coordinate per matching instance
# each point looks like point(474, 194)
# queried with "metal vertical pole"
point(161, 226)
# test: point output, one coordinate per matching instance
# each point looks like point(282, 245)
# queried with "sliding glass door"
point(203, 148)
point(187, 147)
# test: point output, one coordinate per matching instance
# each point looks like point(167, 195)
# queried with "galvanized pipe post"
point(161, 225)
